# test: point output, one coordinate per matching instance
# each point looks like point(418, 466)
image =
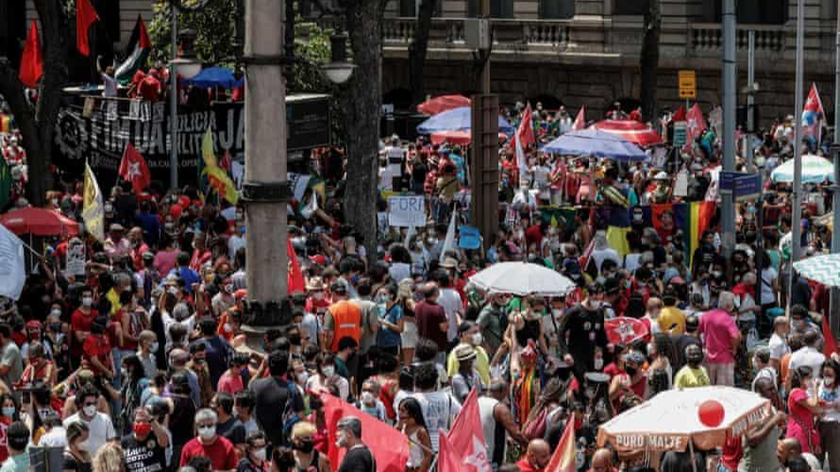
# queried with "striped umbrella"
point(636, 132)
point(815, 169)
point(824, 269)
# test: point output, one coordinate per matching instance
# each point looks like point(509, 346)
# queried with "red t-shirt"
point(525, 466)
point(221, 453)
point(97, 345)
point(4, 451)
point(81, 322)
point(534, 236)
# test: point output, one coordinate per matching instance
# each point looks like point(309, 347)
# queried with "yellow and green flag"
point(211, 177)
point(93, 209)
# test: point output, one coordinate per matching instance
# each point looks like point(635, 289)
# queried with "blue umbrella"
point(456, 119)
point(593, 142)
point(214, 77)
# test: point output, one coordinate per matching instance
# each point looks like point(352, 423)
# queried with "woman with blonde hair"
point(109, 458)
point(304, 452)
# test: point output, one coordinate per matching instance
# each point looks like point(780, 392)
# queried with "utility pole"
point(796, 220)
point(834, 318)
point(729, 84)
point(748, 148)
point(265, 191)
point(173, 103)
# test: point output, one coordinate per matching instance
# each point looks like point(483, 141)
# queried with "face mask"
point(694, 361)
point(228, 328)
point(207, 432)
point(828, 381)
point(259, 454)
point(799, 324)
point(476, 339)
point(595, 304)
point(155, 346)
point(55, 313)
point(87, 302)
point(318, 296)
point(89, 410)
point(599, 363)
point(328, 371)
point(304, 446)
point(8, 411)
point(716, 273)
point(302, 378)
point(631, 371)
point(368, 398)
point(142, 429)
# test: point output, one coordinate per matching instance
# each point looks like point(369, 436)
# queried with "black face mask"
point(694, 361)
point(304, 446)
point(631, 371)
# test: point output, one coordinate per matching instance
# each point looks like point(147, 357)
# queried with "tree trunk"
point(364, 25)
point(36, 126)
point(650, 59)
point(417, 51)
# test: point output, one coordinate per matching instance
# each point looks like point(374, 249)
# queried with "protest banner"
point(406, 211)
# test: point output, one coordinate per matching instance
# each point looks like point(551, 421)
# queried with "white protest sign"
point(75, 264)
point(407, 211)
point(12, 265)
point(681, 186)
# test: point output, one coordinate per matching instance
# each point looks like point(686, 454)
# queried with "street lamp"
point(187, 65)
point(338, 70)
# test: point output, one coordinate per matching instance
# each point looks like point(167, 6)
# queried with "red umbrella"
point(635, 132)
point(443, 103)
point(456, 137)
point(623, 330)
point(39, 222)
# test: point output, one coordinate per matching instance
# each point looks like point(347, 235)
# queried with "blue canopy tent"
point(593, 142)
point(456, 119)
point(215, 77)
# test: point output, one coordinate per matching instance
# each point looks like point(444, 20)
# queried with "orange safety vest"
point(347, 318)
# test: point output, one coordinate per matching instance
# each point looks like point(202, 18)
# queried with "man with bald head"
point(602, 461)
point(432, 322)
point(536, 458)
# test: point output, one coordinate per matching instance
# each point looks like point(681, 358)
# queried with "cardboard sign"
point(688, 84)
point(681, 186)
point(75, 264)
point(406, 211)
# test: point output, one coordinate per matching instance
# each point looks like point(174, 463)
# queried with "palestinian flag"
point(136, 53)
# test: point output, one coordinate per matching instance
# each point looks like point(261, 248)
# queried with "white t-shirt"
point(768, 275)
point(234, 243)
point(778, 347)
point(807, 356)
point(439, 411)
point(450, 300)
point(101, 431)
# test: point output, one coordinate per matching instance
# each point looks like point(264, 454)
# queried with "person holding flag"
point(812, 117)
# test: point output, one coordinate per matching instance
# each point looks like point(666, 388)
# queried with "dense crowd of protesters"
point(144, 364)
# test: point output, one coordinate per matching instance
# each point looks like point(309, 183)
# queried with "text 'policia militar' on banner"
point(98, 132)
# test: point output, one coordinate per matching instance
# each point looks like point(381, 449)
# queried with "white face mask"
point(87, 301)
point(368, 398)
point(155, 346)
point(328, 371)
point(259, 454)
point(828, 381)
point(56, 313)
point(228, 328)
point(477, 339)
point(206, 432)
point(302, 378)
point(595, 304)
point(89, 410)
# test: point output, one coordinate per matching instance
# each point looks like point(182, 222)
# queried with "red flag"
point(389, 446)
point(563, 459)
point(695, 126)
point(448, 458)
point(580, 120)
point(134, 169)
point(467, 436)
point(624, 330)
point(296, 283)
point(830, 346)
point(144, 42)
point(679, 115)
point(85, 16)
point(812, 115)
point(31, 62)
point(523, 137)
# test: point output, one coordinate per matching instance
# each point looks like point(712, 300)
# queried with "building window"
point(411, 8)
point(630, 7)
point(750, 12)
point(498, 8)
point(557, 9)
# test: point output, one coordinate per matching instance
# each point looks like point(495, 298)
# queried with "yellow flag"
point(207, 150)
point(93, 210)
point(220, 182)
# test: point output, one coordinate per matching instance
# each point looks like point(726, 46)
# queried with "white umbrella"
point(815, 169)
point(670, 421)
point(824, 269)
point(522, 278)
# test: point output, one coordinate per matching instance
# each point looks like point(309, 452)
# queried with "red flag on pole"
point(467, 437)
point(85, 16)
point(695, 126)
point(388, 445)
point(31, 62)
point(134, 169)
point(563, 459)
point(448, 459)
point(580, 120)
point(523, 137)
point(296, 282)
point(830, 345)
point(679, 115)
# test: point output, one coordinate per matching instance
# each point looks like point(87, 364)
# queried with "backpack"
point(290, 416)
